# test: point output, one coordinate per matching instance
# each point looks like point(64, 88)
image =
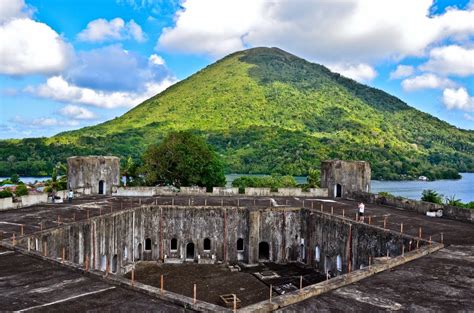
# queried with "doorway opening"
point(101, 187)
point(338, 191)
point(190, 251)
point(263, 251)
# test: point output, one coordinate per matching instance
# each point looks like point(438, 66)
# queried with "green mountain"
point(267, 111)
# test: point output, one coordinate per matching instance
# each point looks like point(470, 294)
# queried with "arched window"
point(317, 254)
point(207, 244)
point(240, 244)
point(148, 244)
point(339, 263)
point(174, 244)
point(125, 253)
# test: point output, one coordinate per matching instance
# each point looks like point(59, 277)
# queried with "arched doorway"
point(139, 252)
point(190, 251)
point(103, 263)
point(263, 251)
point(114, 264)
point(240, 249)
point(101, 187)
point(338, 191)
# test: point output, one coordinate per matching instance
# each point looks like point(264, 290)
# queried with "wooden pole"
point(87, 263)
point(312, 204)
point(403, 250)
point(194, 294)
point(370, 219)
point(13, 240)
point(419, 232)
point(271, 293)
point(401, 228)
point(301, 282)
point(172, 201)
point(332, 210)
point(303, 203)
point(21, 229)
point(235, 303)
point(133, 277)
point(205, 202)
point(343, 213)
point(385, 222)
point(430, 240)
point(59, 220)
point(161, 284)
point(322, 209)
point(64, 255)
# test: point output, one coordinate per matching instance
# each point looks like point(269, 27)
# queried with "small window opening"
point(174, 244)
point(207, 244)
point(240, 244)
point(148, 244)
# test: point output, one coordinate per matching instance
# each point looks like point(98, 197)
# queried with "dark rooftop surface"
point(30, 284)
point(442, 281)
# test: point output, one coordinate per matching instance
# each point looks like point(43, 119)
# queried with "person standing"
point(361, 208)
point(70, 195)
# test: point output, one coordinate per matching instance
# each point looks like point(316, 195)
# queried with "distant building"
point(343, 177)
point(99, 173)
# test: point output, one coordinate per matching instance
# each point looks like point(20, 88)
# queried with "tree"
point(313, 178)
point(182, 159)
point(15, 179)
point(429, 195)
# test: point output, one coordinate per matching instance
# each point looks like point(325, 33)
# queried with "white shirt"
point(361, 208)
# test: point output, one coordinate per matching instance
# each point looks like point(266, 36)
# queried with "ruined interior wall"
point(291, 233)
point(355, 242)
point(86, 172)
point(351, 175)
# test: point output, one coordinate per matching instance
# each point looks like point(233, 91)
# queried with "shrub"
point(6, 193)
point(429, 195)
point(21, 190)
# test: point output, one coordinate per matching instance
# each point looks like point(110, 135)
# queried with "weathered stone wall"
point(116, 240)
point(92, 171)
point(421, 207)
point(350, 175)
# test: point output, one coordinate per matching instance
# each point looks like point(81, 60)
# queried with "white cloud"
point(44, 122)
point(468, 117)
point(458, 99)
point(402, 71)
point(12, 9)
point(426, 81)
point(156, 59)
point(116, 29)
point(452, 59)
point(327, 31)
point(77, 112)
point(359, 72)
point(30, 47)
point(57, 88)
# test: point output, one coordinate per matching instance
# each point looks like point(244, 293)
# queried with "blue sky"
point(69, 64)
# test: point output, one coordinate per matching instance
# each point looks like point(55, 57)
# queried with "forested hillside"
point(267, 111)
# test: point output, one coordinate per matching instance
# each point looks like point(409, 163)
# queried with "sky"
point(67, 64)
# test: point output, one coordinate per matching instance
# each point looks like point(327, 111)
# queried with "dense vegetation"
point(182, 159)
point(267, 111)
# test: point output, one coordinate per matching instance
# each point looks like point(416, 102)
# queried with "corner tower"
point(99, 173)
point(344, 177)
